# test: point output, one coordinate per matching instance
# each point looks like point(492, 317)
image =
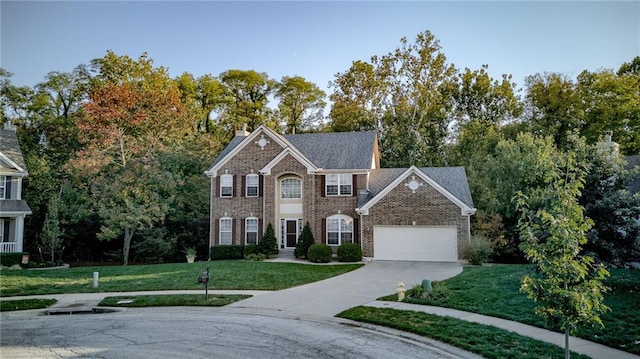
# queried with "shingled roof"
point(452, 179)
point(333, 150)
point(10, 148)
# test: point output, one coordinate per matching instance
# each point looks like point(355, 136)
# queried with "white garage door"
point(414, 243)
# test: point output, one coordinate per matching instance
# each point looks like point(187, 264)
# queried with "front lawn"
point(25, 304)
point(223, 275)
point(485, 340)
point(177, 300)
point(495, 290)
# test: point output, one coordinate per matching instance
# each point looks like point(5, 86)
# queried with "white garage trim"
point(415, 243)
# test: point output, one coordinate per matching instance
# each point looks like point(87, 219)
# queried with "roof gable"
point(10, 153)
point(239, 142)
point(266, 170)
point(449, 181)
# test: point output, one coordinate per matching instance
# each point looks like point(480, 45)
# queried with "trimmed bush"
point(304, 242)
point(439, 291)
point(227, 252)
point(478, 251)
point(319, 253)
point(10, 259)
point(268, 245)
point(255, 257)
point(250, 249)
point(349, 252)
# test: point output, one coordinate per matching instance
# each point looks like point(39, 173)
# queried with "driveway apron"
point(334, 295)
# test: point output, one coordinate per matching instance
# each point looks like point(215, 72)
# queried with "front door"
point(291, 232)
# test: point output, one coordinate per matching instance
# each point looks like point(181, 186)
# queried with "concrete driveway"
point(334, 295)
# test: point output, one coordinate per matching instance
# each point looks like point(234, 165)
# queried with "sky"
point(316, 39)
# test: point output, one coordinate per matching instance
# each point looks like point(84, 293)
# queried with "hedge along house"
point(13, 208)
point(334, 182)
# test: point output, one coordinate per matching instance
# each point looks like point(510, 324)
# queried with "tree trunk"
point(567, 353)
point(128, 233)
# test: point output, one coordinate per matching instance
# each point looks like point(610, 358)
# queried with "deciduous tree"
point(300, 105)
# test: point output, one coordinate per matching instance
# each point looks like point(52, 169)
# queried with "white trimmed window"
point(291, 188)
point(252, 185)
point(339, 230)
point(226, 230)
point(338, 184)
point(226, 185)
point(251, 230)
point(3, 187)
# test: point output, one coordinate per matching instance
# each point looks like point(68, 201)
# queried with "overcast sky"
point(316, 40)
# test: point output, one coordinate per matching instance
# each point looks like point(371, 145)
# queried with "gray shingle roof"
point(10, 205)
point(10, 147)
point(453, 179)
point(334, 150)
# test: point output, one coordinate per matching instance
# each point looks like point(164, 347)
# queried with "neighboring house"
point(334, 182)
point(12, 208)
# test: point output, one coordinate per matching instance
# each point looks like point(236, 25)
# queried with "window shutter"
point(233, 185)
point(356, 230)
point(8, 188)
point(260, 230)
point(260, 187)
point(243, 182)
point(324, 187)
point(6, 235)
point(217, 179)
point(243, 231)
point(324, 231)
point(233, 231)
point(354, 185)
point(216, 230)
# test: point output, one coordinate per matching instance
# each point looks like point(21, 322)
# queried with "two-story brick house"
point(13, 208)
point(334, 182)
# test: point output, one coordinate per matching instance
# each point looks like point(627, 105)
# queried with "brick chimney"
point(9, 126)
point(608, 147)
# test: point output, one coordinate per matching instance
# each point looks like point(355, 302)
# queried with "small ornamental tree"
point(304, 242)
point(268, 245)
point(568, 288)
point(51, 231)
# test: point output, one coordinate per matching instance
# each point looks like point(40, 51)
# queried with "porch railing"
point(10, 247)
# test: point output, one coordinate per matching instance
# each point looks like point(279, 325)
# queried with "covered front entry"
point(415, 243)
point(290, 231)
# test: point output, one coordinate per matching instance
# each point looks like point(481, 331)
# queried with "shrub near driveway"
point(241, 274)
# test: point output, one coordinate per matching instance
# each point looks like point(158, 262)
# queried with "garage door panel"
point(414, 243)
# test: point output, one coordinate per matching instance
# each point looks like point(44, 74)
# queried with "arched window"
point(251, 230)
point(339, 230)
point(291, 188)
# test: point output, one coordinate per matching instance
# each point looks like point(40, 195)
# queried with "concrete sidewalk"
point(578, 345)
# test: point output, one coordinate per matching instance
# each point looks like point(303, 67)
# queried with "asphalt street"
point(199, 333)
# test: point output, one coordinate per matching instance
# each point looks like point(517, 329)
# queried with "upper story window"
point(339, 184)
point(226, 230)
point(339, 230)
point(251, 230)
point(291, 188)
point(252, 185)
point(3, 187)
point(226, 185)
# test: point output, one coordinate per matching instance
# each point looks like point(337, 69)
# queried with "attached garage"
point(415, 243)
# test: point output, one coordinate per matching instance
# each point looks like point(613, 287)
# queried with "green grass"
point(487, 341)
point(173, 300)
point(25, 304)
point(495, 290)
point(223, 275)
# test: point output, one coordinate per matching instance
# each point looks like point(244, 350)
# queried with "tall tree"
point(569, 289)
point(202, 96)
point(248, 91)
point(300, 105)
point(133, 114)
point(406, 95)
